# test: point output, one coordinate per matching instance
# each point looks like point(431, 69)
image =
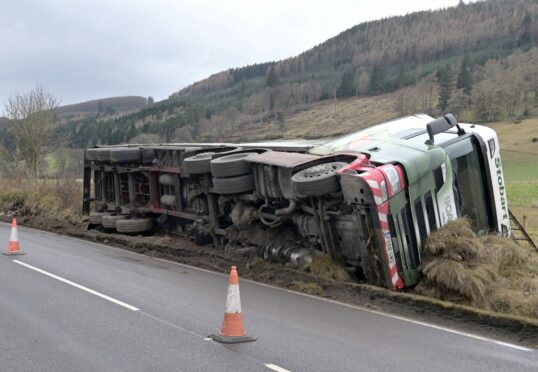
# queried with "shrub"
point(41, 198)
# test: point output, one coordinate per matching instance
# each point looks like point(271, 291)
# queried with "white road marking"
point(95, 293)
point(276, 368)
point(404, 319)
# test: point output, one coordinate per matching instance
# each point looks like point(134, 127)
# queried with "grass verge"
point(57, 199)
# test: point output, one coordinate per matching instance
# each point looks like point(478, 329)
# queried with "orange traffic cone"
point(13, 248)
point(233, 329)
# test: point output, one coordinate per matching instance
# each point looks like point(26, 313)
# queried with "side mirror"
point(442, 125)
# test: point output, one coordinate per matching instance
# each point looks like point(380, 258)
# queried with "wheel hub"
point(319, 171)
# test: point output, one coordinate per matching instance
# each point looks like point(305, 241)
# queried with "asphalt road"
point(72, 305)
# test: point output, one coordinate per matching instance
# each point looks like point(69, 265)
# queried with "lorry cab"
point(450, 171)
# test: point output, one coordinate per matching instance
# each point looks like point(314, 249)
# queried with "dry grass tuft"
point(457, 239)
point(257, 261)
point(488, 272)
point(325, 267)
point(310, 288)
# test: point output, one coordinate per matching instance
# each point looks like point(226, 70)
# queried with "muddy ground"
point(180, 249)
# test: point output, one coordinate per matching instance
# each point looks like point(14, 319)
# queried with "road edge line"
point(81, 287)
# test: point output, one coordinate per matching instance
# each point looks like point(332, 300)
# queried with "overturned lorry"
point(368, 199)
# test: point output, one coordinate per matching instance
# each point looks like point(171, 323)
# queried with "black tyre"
point(125, 154)
point(148, 155)
point(109, 221)
point(233, 185)
point(317, 180)
point(91, 154)
point(96, 218)
point(231, 165)
point(198, 164)
point(134, 225)
point(103, 154)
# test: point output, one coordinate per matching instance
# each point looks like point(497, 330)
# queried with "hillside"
point(107, 106)
point(383, 55)
point(478, 61)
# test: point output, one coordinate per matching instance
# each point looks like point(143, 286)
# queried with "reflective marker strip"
point(395, 278)
point(95, 293)
point(13, 236)
point(233, 300)
point(373, 184)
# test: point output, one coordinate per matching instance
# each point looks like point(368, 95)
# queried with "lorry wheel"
point(317, 180)
point(109, 221)
point(96, 218)
point(233, 185)
point(198, 164)
point(103, 154)
point(91, 154)
point(125, 154)
point(148, 155)
point(231, 165)
point(134, 225)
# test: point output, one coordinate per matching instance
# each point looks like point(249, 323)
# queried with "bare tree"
point(314, 91)
point(363, 82)
point(32, 125)
point(459, 102)
point(230, 116)
point(406, 103)
point(428, 90)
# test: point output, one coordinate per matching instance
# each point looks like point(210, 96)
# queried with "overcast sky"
point(88, 49)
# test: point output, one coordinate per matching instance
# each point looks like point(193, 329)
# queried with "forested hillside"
point(476, 60)
point(108, 106)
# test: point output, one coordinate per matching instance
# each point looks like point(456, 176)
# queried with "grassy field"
point(520, 163)
point(521, 173)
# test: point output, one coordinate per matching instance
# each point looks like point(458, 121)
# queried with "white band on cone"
point(233, 300)
point(14, 237)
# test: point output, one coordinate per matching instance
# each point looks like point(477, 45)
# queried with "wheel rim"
point(319, 171)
